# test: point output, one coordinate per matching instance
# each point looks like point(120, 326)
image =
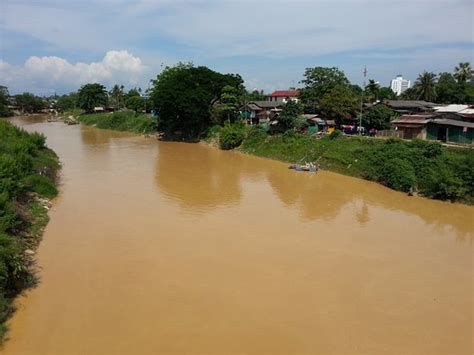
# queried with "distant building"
point(399, 85)
point(283, 96)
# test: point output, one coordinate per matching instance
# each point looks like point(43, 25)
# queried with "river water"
point(174, 248)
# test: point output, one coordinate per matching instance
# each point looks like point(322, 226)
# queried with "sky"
point(55, 46)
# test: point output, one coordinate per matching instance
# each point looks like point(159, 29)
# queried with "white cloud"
point(55, 73)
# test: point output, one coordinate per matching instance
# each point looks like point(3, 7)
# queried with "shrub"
point(231, 136)
point(398, 174)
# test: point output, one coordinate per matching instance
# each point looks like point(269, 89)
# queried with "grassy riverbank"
point(120, 121)
point(418, 166)
point(28, 171)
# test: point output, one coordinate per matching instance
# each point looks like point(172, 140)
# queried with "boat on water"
point(309, 167)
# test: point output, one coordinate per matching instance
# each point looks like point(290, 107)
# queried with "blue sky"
point(49, 46)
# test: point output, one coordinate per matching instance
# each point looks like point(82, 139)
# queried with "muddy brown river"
point(174, 248)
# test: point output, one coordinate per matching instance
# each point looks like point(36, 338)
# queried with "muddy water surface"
point(169, 248)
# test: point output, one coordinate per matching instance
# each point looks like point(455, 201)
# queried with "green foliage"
point(67, 102)
point(318, 82)
point(231, 136)
point(90, 96)
point(4, 110)
point(425, 86)
point(372, 91)
point(121, 121)
point(378, 116)
point(183, 96)
point(339, 104)
point(135, 103)
point(386, 93)
point(289, 114)
point(30, 103)
point(26, 166)
point(463, 72)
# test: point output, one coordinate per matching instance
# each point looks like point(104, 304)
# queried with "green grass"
point(121, 121)
point(28, 170)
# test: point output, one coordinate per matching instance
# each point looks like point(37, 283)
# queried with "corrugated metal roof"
point(413, 119)
point(452, 108)
point(449, 122)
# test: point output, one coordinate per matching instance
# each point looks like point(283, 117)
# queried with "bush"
point(26, 165)
point(398, 174)
point(231, 136)
point(121, 121)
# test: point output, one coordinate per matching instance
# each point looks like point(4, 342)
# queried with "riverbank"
point(28, 180)
point(415, 167)
point(127, 121)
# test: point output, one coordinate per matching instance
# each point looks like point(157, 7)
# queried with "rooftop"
point(284, 93)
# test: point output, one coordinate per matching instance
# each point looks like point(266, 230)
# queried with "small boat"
point(309, 167)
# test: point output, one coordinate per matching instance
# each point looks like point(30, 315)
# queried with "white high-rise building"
point(399, 85)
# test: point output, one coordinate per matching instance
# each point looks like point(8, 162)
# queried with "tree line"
point(189, 99)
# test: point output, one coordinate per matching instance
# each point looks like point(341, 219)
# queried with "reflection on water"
point(202, 179)
point(170, 248)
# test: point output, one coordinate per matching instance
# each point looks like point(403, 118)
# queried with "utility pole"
point(362, 101)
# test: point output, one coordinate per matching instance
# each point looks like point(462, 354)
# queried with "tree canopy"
point(90, 96)
point(425, 86)
point(30, 103)
point(378, 116)
point(339, 104)
point(183, 96)
point(318, 82)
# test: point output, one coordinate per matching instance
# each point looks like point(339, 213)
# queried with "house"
point(409, 106)
point(446, 127)
point(262, 111)
point(283, 96)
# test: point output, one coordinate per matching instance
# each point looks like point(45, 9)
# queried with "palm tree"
point(425, 86)
point(463, 72)
point(372, 90)
point(117, 93)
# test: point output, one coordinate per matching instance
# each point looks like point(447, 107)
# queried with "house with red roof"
point(283, 96)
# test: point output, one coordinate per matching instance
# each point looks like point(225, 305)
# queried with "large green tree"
point(339, 104)
point(378, 116)
point(183, 96)
point(66, 102)
point(289, 114)
point(447, 89)
point(425, 86)
point(318, 82)
point(90, 96)
point(30, 103)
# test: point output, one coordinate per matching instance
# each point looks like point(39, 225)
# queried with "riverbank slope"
point(418, 167)
point(28, 179)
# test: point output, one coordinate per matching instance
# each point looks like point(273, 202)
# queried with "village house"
point(283, 96)
point(409, 106)
point(262, 111)
point(449, 127)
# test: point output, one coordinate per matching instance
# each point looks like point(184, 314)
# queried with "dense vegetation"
point(121, 121)
point(183, 97)
point(27, 171)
